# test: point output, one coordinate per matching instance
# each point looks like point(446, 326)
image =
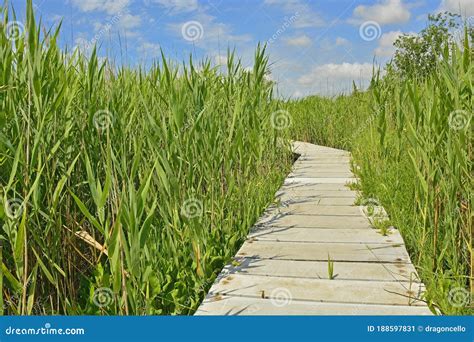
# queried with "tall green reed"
point(124, 191)
point(411, 142)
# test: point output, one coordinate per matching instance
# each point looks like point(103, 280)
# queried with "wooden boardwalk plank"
point(351, 235)
point(232, 305)
point(318, 207)
point(322, 218)
point(315, 194)
point(319, 180)
point(282, 268)
point(314, 202)
point(319, 290)
point(314, 187)
point(320, 251)
point(319, 269)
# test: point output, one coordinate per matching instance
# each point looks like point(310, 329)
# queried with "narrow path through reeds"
point(316, 253)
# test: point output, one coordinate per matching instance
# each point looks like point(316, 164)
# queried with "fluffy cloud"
point(220, 59)
point(334, 78)
point(300, 41)
point(464, 7)
point(385, 12)
point(210, 32)
point(149, 50)
point(129, 21)
point(109, 6)
point(306, 16)
point(385, 47)
point(178, 6)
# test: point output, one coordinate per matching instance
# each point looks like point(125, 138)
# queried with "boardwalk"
point(283, 267)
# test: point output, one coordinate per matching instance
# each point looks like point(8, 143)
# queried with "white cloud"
point(178, 6)
point(334, 78)
point(384, 12)
point(109, 6)
point(129, 21)
point(385, 47)
point(220, 59)
point(300, 41)
point(82, 44)
point(210, 32)
point(342, 41)
point(147, 49)
point(297, 94)
point(463, 7)
point(306, 16)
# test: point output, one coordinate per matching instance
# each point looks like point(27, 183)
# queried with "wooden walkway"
point(282, 268)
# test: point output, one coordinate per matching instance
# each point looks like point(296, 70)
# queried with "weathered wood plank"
point(321, 290)
point(319, 174)
point(320, 180)
point(322, 218)
point(325, 201)
point(319, 269)
point(319, 251)
point(318, 207)
point(314, 194)
point(354, 235)
point(314, 187)
point(230, 305)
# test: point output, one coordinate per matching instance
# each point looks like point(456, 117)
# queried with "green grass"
point(331, 275)
point(412, 142)
point(125, 191)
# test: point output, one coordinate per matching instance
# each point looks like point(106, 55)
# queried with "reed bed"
point(411, 141)
point(125, 190)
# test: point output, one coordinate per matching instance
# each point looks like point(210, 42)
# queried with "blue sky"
point(314, 46)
